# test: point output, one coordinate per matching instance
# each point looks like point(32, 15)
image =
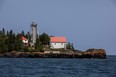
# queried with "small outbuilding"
point(57, 42)
point(24, 40)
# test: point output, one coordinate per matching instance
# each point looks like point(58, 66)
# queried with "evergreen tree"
point(3, 31)
point(44, 38)
point(73, 47)
point(38, 45)
point(70, 46)
point(3, 46)
point(28, 36)
point(18, 43)
point(11, 41)
point(23, 33)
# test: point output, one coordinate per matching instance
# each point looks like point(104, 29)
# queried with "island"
point(34, 45)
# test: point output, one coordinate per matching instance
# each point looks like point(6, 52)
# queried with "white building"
point(58, 42)
point(24, 40)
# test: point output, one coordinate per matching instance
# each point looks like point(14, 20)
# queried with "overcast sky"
point(86, 23)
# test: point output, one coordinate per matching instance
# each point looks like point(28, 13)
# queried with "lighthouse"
point(33, 33)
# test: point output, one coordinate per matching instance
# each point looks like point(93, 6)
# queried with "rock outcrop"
point(95, 53)
point(91, 54)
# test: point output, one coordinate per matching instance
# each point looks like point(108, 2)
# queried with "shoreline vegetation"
point(11, 46)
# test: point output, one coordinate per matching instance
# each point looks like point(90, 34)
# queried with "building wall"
point(58, 45)
point(25, 41)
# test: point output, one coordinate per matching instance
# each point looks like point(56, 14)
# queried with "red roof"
point(58, 39)
point(23, 38)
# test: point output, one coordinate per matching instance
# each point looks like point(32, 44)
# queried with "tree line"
point(10, 41)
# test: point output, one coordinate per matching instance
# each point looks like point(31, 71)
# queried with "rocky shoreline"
point(90, 54)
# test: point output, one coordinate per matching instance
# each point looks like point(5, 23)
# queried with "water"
point(54, 67)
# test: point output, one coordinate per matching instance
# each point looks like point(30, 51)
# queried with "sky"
point(85, 23)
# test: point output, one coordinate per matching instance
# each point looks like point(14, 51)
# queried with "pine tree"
point(18, 43)
point(11, 41)
point(44, 38)
point(38, 45)
point(70, 46)
point(3, 46)
point(3, 31)
point(23, 33)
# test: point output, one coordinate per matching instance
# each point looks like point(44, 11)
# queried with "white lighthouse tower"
point(33, 33)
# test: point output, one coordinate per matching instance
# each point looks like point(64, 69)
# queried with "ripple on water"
point(38, 67)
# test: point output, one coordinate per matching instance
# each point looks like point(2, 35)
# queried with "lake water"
point(57, 67)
